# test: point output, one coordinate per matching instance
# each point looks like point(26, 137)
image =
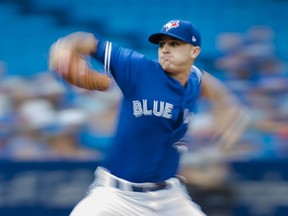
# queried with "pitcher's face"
point(175, 55)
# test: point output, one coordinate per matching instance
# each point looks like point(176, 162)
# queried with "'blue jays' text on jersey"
point(155, 112)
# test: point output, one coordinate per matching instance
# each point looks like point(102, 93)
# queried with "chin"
point(166, 68)
point(169, 70)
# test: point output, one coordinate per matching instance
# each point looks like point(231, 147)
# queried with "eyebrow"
point(171, 40)
point(168, 38)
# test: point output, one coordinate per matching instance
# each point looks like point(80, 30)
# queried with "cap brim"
point(155, 38)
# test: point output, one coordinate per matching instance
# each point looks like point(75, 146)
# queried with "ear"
point(195, 52)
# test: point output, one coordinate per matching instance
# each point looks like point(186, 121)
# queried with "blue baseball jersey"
point(154, 116)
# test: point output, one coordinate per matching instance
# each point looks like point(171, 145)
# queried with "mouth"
point(166, 58)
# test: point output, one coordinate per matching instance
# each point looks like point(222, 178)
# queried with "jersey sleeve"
point(121, 63)
point(198, 72)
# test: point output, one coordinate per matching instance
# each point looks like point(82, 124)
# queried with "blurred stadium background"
point(52, 135)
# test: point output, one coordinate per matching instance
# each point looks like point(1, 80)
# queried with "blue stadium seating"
point(31, 26)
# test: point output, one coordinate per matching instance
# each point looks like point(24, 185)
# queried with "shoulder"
point(197, 71)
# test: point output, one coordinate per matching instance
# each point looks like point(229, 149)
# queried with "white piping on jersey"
point(198, 72)
point(107, 58)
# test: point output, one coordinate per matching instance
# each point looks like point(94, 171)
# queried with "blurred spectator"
point(102, 109)
point(63, 139)
point(47, 87)
point(206, 176)
point(33, 116)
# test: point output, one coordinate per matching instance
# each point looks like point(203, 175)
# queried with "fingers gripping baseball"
point(66, 61)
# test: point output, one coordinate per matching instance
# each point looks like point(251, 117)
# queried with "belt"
point(136, 188)
point(105, 178)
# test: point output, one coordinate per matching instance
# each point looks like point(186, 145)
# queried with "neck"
point(181, 77)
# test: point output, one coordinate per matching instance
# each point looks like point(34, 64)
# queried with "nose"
point(165, 48)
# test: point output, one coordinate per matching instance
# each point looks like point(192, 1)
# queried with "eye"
point(174, 43)
point(161, 44)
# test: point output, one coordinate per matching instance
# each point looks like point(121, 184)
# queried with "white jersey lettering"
point(137, 109)
point(168, 111)
point(146, 111)
point(159, 109)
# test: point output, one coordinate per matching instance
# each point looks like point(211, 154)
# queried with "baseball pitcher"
point(139, 175)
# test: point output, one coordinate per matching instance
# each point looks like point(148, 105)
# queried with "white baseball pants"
point(104, 199)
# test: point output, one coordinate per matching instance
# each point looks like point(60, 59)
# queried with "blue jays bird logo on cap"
point(179, 29)
point(171, 24)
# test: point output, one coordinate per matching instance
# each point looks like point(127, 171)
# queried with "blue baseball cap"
point(179, 29)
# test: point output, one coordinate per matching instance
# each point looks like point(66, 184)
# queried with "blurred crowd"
point(254, 71)
point(44, 118)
